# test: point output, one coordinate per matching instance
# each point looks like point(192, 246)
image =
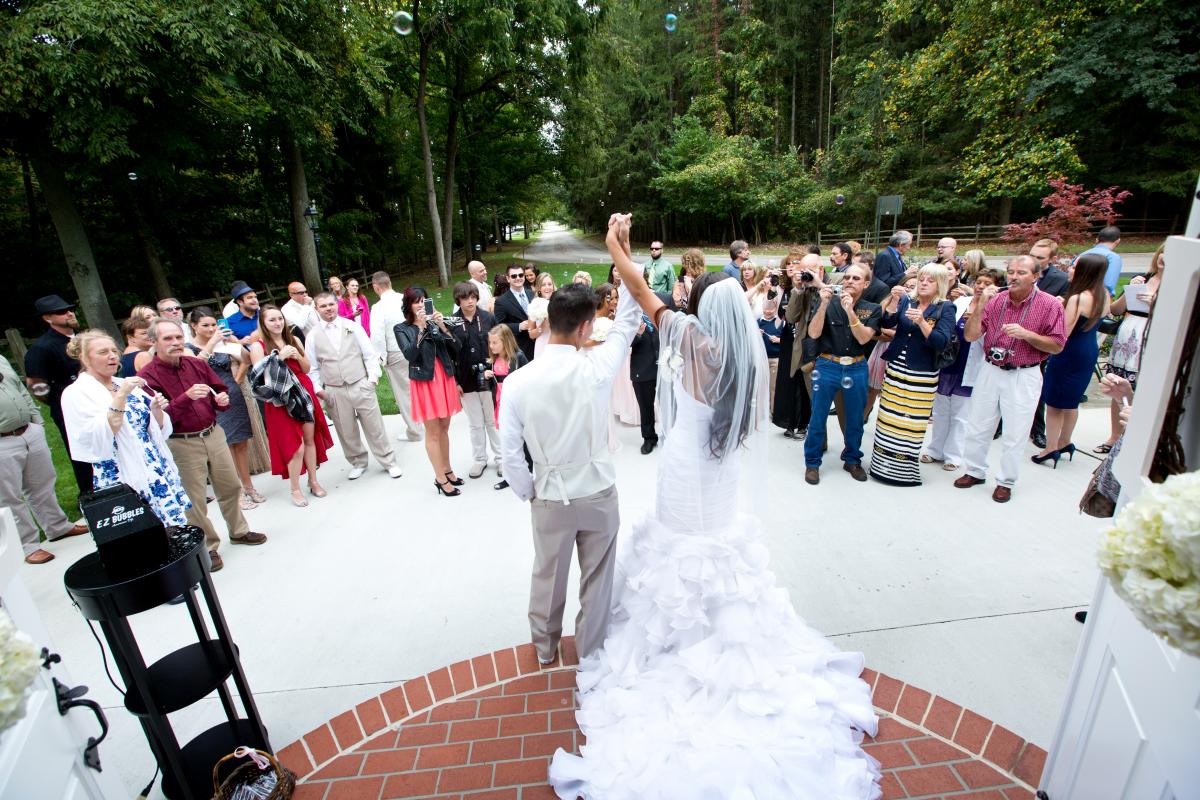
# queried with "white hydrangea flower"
point(1151, 556)
point(19, 663)
point(539, 309)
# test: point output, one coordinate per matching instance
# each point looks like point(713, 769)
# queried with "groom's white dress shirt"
point(558, 406)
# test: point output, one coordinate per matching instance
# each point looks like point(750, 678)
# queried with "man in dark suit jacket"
point(889, 262)
point(511, 309)
point(1054, 280)
point(643, 372)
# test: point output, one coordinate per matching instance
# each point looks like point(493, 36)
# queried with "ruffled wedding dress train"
point(709, 686)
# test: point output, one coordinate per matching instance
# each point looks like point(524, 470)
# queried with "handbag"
point(1095, 503)
point(948, 354)
point(260, 778)
point(1109, 326)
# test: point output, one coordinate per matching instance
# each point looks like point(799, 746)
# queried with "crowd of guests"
point(974, 351)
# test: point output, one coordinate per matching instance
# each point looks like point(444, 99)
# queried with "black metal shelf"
point(199, 755)
point(181, 678)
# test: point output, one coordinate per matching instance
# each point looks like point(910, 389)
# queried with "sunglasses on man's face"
point(516, 276)
point(169, 309)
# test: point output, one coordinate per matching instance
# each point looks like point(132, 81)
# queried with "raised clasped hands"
point(618, 230)
point(288, 351)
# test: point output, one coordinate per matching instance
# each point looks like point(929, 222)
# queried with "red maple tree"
point(1074, 212)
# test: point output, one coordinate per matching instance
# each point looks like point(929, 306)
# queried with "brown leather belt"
point(15, 431)
point(845, 361)
point(196, 435)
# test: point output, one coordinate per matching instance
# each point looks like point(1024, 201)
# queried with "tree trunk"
point(451, 162)
point(1005, 212)
point(431, 198)
point(77, 250)
point(306, 248)
point(158, 275)
point(792, 131)
point(35, 230)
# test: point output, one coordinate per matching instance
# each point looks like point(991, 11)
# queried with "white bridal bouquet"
point(538, 309)
point(600, 328)
point(1152, 557)
point(19, 664)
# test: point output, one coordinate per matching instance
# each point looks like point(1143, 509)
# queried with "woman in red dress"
point(431, 352)
point(296, 447)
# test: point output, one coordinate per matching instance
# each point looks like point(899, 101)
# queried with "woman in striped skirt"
point(924, 325)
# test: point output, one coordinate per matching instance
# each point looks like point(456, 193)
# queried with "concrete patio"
point(384, 581)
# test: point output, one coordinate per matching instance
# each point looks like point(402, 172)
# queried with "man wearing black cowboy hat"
point(244, 321)
point(49, 370)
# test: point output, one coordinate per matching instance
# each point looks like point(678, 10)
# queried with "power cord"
point(104, 657)
point(146, 792)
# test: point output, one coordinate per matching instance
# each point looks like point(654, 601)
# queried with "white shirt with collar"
point(335, 331)
point(485, 292)
point(558, 406)
point(300, 315)
point(386, 314)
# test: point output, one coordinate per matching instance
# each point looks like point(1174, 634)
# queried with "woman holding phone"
point(218, 346)
point(431, 352)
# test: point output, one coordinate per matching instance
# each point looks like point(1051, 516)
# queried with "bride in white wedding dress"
point(709, 686)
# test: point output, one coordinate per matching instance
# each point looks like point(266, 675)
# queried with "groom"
point(557, 406)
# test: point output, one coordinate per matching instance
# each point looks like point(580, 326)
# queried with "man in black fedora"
point(244, 321)
point(49, 370)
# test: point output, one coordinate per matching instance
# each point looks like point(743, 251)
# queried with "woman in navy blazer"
point(924, 326)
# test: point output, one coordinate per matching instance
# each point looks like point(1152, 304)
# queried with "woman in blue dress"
point(1069, 372)
point(121, 430)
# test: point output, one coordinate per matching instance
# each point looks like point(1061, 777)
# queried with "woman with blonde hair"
point(973, 261)
point(924, 323)
point(543, 287)
point(582, 276)
point(691, 267)
point(120, 429)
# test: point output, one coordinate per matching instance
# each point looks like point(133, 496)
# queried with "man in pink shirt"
point(1020, 328)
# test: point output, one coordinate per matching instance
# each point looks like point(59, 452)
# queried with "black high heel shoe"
point(453, 481)
point(1053, 454)
point(448, 492)
point(1068, 451)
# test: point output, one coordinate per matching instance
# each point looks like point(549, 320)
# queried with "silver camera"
point(998, 355)
point(836, 289)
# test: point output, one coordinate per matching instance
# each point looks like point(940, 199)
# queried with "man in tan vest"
point(344, 371)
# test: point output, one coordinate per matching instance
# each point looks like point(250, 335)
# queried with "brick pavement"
point(484, 729)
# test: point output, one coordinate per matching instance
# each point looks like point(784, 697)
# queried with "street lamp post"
point(310, 216)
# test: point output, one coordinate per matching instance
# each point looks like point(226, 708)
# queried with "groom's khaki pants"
point(591, 523)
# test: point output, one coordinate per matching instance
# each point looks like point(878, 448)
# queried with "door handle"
point(69, 698)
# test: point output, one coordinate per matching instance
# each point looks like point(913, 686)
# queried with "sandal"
point(1103, 449)
point(298, 499)
point(499, 486)
point(317, 490)
point(928, 459)
point(256, 496)
point(949, 467)
point(246, 502)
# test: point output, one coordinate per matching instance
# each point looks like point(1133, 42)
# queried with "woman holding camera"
point(431, 352)
point(924, 324)
point(469, 371)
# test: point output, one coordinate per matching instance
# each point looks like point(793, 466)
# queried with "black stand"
point(181, 678)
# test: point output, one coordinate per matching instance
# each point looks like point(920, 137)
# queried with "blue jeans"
point(827, 382)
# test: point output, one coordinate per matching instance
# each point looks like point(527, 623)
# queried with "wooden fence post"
point(918, 243)
point(16, 343)
point(977, 233)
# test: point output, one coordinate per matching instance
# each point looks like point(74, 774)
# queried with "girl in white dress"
point(709, 685)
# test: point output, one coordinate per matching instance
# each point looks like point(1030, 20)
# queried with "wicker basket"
point(248, 772)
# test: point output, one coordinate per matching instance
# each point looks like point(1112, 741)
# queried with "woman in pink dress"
point(353, 305)
point(431, 352)
point(296, 447)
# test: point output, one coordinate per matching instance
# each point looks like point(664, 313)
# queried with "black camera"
point(806, 277)
point(479, 370)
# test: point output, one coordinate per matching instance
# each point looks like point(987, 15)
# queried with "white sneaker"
point(355, 473)
point(477, 470)
point(394, 472)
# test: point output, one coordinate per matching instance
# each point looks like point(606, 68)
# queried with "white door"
point(42, 756)
point(1130, 728)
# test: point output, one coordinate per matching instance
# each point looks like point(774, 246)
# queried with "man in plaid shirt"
point(1020, 328)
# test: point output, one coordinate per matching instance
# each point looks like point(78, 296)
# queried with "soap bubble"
point(840, 199)
point(847, 382)
point(402, 23)
point(670, 22)
point(133, 176)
